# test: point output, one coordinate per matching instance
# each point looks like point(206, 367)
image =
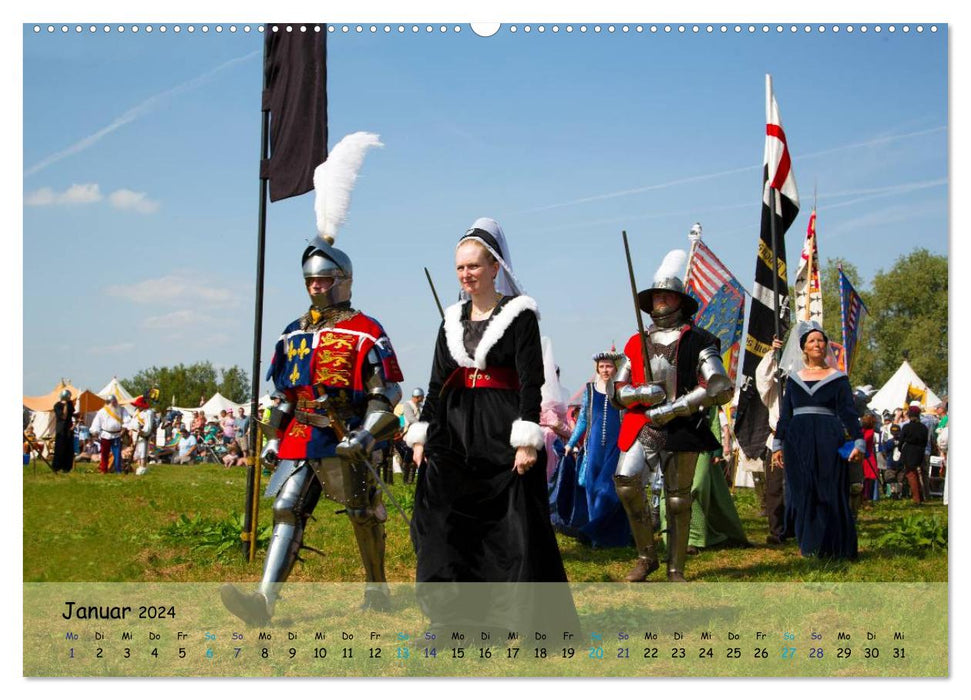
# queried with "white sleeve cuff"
point(416, 434)
point(526, 434)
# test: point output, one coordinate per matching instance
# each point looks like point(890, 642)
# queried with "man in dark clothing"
point(913, 443)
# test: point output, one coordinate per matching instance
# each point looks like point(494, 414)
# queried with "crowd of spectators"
point(911, 453)
point(218, 440)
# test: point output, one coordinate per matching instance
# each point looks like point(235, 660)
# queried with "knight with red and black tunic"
point(666, 423)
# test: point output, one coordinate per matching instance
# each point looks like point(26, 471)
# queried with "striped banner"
point(721, 301)
point(852, 312)
point(809, 295)
point(779, 194)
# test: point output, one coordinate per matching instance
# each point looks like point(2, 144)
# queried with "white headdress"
point(489, 233)
point(552, 393)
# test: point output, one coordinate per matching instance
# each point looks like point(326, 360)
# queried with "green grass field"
point(85, 526)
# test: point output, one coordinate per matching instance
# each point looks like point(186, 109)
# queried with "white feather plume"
point(672, 266)
point(334, 179)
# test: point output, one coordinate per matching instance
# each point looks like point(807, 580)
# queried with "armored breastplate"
point(662, 348)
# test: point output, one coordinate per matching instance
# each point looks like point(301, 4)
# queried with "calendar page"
point(243, 252)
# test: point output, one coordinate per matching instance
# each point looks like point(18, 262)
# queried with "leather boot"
point(251, 608)
point(643, 567)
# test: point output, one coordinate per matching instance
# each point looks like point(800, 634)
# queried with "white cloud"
point(177, 320)
point(75, 194)
point(90, 193)
point(82, 194)
point(174, 289)
point(137, 201)
point(40, 198)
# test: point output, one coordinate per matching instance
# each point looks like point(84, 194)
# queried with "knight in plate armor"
point(666, 422)
point(332, 364)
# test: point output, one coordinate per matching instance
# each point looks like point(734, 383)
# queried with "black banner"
point(295, 95)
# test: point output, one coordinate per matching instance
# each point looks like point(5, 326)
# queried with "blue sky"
point(140, 176)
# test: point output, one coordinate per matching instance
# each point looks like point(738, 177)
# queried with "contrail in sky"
point(711, 176)
point(135, 112)
point(861, 196)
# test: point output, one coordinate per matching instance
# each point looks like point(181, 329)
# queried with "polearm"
point(253, 467)
point(637, 312)
point(775, 270)
point(434, 293)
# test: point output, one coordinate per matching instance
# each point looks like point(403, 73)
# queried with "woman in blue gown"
point(606, 523)
point(816, 414)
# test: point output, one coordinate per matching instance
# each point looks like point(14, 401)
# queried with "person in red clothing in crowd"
point(871, 474)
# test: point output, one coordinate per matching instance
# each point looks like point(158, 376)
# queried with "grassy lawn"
point(85, 526)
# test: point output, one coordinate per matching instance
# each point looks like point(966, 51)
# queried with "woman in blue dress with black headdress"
point(816, 416)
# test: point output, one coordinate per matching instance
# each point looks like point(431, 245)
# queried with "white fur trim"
point(526, 434)
point(453, 335)
point(500, 324)
point(416, 434)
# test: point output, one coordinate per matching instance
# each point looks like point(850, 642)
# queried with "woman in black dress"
point(481, 508)
point(64, 433)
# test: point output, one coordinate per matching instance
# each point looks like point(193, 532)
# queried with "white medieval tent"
point(219, 403)
point(902, 388)
point(210, 408)
point(115, 387)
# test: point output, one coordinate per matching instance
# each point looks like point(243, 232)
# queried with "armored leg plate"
point(368, 524)
point(632, 495)
point(297, 499)
point(342, 481)
point(679, 472)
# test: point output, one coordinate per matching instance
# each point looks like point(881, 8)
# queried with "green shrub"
point(221, 537)
point(915, 534)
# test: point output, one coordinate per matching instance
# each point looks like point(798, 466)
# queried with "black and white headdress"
point(489, 233)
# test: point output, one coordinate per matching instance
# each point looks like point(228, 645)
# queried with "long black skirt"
point(486, 524)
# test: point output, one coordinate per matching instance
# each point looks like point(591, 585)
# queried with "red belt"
point(488, 378)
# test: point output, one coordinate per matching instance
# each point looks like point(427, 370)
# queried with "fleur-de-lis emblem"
point(295, 374)
point(300, 352)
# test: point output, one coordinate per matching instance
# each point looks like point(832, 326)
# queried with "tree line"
point(184, 385)
point(907, 318)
